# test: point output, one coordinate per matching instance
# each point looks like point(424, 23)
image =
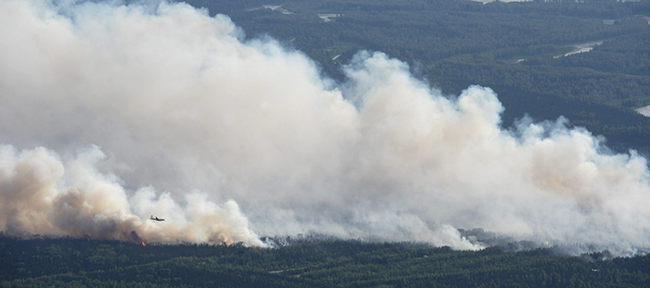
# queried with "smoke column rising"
point(110, 113)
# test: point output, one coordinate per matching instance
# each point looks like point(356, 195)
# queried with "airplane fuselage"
point(156, 218)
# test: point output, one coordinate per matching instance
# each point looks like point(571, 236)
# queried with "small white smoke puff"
point(178, 101)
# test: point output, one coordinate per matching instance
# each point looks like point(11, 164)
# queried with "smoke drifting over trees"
point(110, 113)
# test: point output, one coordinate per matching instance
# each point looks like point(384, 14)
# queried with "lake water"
point(272, 8)
point(645, 111)
point(326, 17)
point(581, 48)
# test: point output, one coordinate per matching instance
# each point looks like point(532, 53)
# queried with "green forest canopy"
point(329, 263)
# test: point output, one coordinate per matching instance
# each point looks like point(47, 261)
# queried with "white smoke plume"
point(132, 100)
point(36, 199)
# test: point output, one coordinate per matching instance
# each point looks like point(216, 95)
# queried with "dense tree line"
point(328, 263)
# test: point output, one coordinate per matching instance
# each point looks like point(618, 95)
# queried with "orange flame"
point(143, 243)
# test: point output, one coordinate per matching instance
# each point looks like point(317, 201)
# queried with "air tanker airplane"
point(156, 218)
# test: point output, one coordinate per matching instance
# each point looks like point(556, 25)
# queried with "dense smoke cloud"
point(186, 115)
point(35, 200)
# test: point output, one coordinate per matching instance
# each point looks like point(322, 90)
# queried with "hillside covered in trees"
point(328, 263)
point(518, 49)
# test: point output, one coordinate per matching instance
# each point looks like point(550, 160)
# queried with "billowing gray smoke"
point(164, 110)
